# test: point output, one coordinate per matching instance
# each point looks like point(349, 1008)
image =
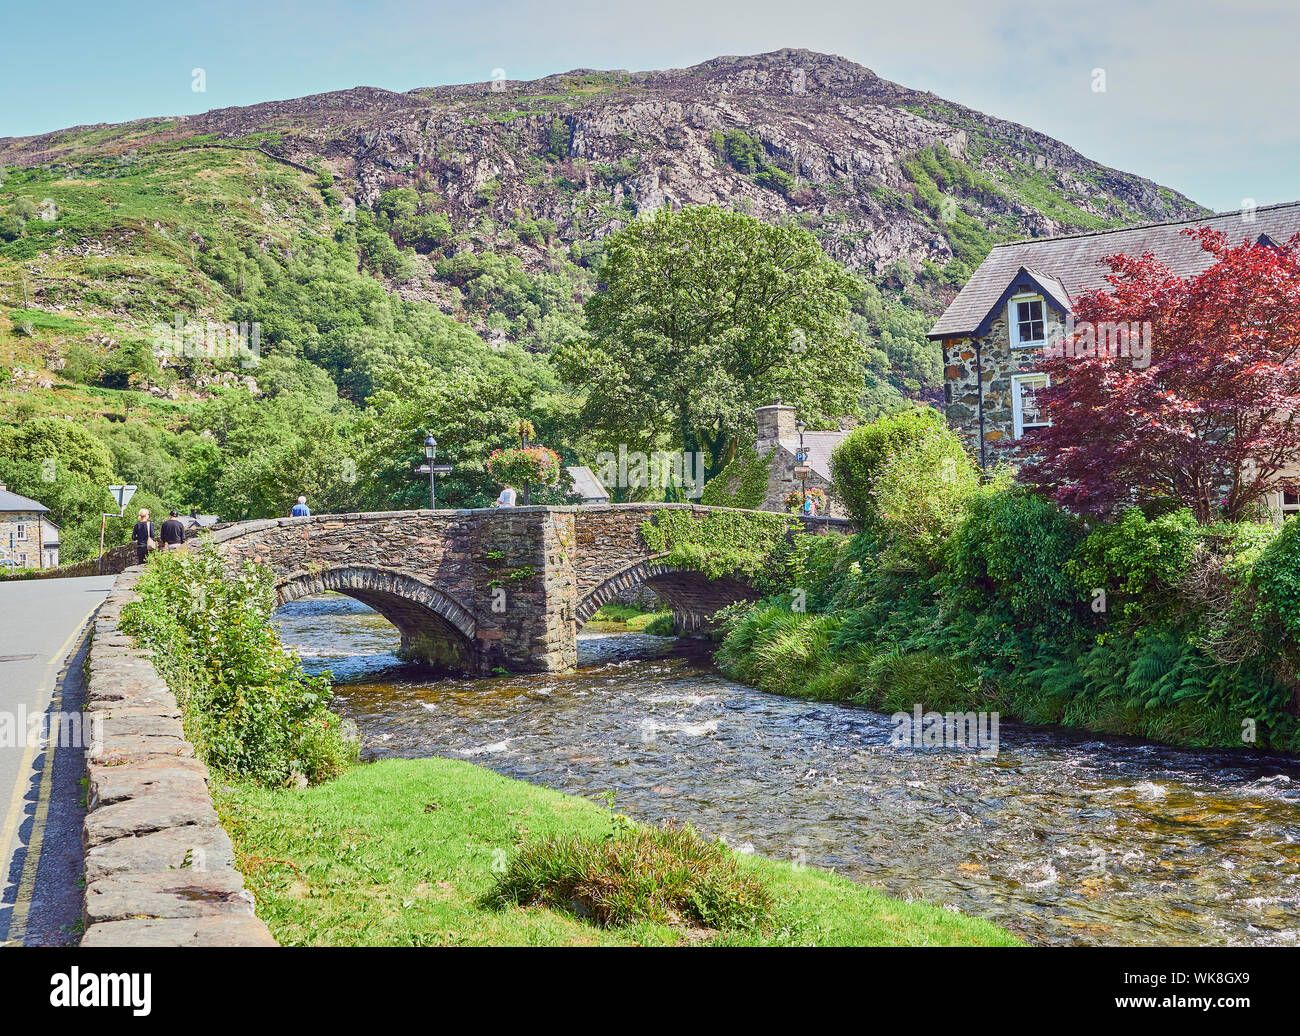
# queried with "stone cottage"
point(28, 539)
point(791, 447)
point(994, 332)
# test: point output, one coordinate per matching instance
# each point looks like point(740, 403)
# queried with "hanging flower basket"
point(794, 500)
point(517, 465)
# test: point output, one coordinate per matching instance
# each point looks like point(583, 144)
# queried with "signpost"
point(122, 496)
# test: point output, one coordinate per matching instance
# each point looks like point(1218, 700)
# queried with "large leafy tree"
point(703, 315)
point(1214, 418)
point(472, 410)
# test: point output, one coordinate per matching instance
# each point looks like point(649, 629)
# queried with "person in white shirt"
point(507, 498)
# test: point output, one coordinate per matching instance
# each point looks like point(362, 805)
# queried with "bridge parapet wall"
point(504, 587)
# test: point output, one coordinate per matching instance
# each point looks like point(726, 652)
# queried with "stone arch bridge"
point(478, 589)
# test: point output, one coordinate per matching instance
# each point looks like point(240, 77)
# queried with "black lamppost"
point(431, 451)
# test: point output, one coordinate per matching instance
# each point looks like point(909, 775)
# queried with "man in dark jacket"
point(172, 532)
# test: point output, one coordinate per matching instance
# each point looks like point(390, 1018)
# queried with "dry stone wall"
point(160, 869)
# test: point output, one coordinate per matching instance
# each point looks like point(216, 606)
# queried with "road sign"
point(802, 471)
point(122, 495)
point(442, 469)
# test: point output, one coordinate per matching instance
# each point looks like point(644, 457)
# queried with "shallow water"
point(1065, 839)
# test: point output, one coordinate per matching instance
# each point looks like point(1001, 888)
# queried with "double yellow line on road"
point(55, 673)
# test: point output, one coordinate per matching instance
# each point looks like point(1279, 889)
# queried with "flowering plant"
point(516, 465)
point(794, 500)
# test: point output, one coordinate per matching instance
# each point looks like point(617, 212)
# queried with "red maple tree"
point(1215, 416)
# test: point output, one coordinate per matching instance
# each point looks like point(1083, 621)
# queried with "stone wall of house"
point(160, 869)
point(998, 363)
point(777, 422)
point(27, 552)
point(781, 482)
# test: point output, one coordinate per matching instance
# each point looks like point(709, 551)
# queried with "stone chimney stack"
point(775, 422)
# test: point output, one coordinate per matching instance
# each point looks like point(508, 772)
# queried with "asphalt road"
point(43, 627)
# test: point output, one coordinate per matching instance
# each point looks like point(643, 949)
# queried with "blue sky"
point(1199, 97)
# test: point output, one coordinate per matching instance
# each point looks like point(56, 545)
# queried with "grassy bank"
point(623, 618)
point(402, 853)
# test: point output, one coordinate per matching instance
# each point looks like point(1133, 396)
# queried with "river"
point(1066, 839)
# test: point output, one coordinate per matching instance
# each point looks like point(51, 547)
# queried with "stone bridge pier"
point(477, 590)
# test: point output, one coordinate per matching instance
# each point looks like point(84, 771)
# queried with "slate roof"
point(13, 502)
point(818, 446)
point(1074, 261)
point(586, 484)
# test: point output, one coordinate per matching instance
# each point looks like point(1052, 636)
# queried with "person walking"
point(172, 533)
point(507, 498)
point(300, 509)
point(142, 536)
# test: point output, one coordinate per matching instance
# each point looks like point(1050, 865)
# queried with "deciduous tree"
point(705, 314)
point(1212, 420)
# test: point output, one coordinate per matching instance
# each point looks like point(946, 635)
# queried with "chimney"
point(775, 422)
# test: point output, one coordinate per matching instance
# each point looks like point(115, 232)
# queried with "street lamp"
point(802, 459)
point(431, 451)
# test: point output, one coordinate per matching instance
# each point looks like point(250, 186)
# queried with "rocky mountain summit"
point(882, 173)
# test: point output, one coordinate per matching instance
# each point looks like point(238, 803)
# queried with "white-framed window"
point(1025, 406)
point(1027, 318)
point(22, 530)
point(22, 560)
point(1290, 504)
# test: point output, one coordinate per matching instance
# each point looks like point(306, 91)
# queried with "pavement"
point(44, 625)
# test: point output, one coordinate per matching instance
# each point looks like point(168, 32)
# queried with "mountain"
point(787, 135)
point(488, 202)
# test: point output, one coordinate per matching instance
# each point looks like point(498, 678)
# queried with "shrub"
point(248, 706)
point(860, 458)
point(816, 565)
point(921, 492)
point(1275, 578)
point(1140, 563)
point(666, 875)
point(720, 543)
point(1009, 556)
point(11, 226)
point(742, 483)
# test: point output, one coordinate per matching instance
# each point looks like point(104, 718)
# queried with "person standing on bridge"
point(172, 533)
point(507, 497)
point(142, 536)
point(300, 509)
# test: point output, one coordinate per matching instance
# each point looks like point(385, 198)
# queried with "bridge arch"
point(435, 627)
point(692, 595)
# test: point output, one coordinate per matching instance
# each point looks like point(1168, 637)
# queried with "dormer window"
point(1026, 317)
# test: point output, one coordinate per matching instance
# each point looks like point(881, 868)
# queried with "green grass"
point(669, 874)
point(631, 619)
point(402, 853)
